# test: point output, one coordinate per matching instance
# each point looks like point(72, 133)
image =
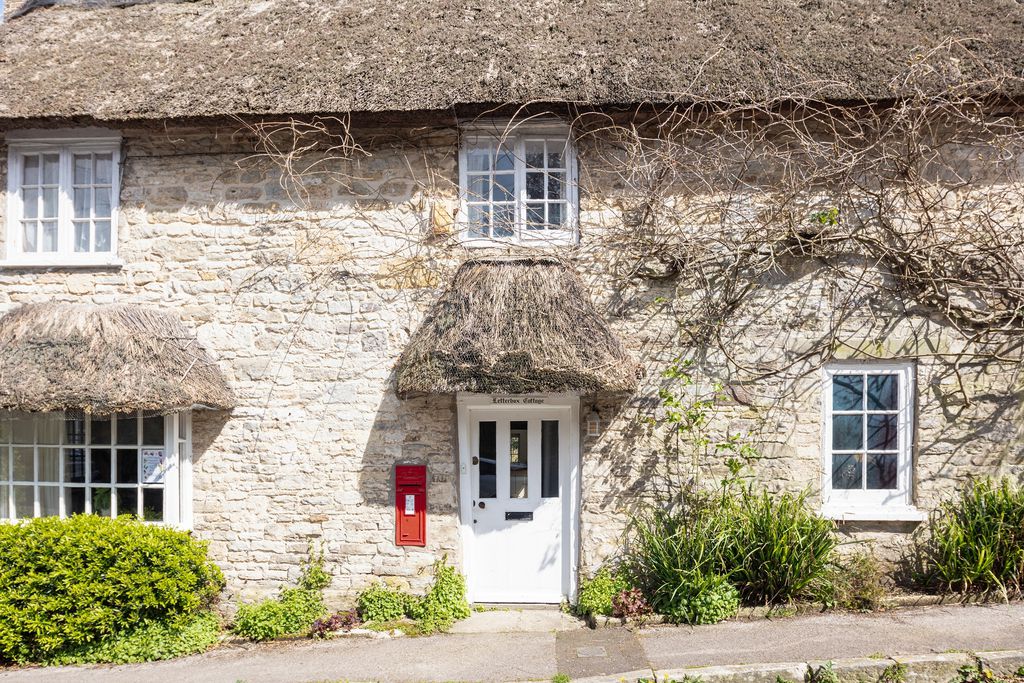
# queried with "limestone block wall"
point(307, 301)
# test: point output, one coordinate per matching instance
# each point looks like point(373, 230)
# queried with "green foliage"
point(148, 642)
point(381, 602)
point(894, 673)
point(293, 612)
point(855, 582)
point(445, 602)
point(71, 583)
point(560, 678)
point(825, 673)
point(977, 540)
point(701, 599)
point(597, 593)
point(976, 673)
point(829, 217)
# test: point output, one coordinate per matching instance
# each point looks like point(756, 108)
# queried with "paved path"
point(536, 646)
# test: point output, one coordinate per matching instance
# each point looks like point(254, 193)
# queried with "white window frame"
point(177, 483)
point(66, 143)
point(516, 134)
point(866, 504)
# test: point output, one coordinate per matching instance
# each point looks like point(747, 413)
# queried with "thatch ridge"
point(515, 324)
point(223, 57)
point(104, 359)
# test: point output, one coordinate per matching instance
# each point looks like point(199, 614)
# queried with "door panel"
point(519, 466)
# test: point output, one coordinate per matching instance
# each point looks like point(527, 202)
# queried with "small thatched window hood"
point(515, 325)
point(104, 359)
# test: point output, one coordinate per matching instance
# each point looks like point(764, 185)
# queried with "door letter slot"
point(521, 516)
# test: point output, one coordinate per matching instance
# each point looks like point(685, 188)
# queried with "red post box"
point(410, 505)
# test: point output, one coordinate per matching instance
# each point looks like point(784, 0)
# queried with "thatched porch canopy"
point(515, 325)
point(104, 359)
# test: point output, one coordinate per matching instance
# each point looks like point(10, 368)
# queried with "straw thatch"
point(153, 60)
point(515, 325)
point(103, 359)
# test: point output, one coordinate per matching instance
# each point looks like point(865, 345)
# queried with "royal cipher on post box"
point(410, 505)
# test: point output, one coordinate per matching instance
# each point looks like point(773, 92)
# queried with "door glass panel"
point(488, 467)
point(519, 461)
point(549, 459)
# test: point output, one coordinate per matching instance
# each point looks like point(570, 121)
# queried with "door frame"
point(468, 402)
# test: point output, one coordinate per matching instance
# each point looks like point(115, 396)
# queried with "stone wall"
point(306, 300)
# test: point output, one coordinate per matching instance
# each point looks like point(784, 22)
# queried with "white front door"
point(519, 517)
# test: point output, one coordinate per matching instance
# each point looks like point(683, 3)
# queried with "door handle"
point(476, 460)
point(482, 505)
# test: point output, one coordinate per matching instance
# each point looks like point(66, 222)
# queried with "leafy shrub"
point(70, 583)
point(293, 612)
point(445, 602)
point(340, 621)
point(854, 583)
point(598, 592)
point(148, 642)
point(630, 604)
point(778, 546)
point(700, 599)
point(381, 602)
point(977, 540)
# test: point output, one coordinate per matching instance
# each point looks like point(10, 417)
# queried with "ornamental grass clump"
point(976, 542)
point(74, 585)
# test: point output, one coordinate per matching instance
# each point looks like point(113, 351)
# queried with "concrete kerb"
point(930, 668)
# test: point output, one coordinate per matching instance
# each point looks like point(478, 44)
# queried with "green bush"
point(855, 582)
point(381, 602)
point(147, 643)
point(445, 602)
point(598, 593)
point(700, 599)
point(293, 612)
point(69, 583)
point(977, 540)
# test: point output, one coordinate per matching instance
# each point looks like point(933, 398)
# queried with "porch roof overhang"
point(515, 324)
point(104, 359)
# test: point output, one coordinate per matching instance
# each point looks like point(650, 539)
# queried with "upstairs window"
point(518, 187)
point(868, 441)
point(62, 197)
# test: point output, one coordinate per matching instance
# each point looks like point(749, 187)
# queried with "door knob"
point(476, 460)
point(482, 505)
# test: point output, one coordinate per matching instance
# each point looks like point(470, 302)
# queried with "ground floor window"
point(62, 464)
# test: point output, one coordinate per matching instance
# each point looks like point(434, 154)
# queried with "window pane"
point(30, 203)
point(24, 464)
point(74, 465)
point(83, 202)
point(881, 470)
point(535, 216)
point(51, 169)
point(504, 188)
point(102, 199)
point(49, 464)
point(153, 430)
point(506, 160)
point(846, 471)
point(24, 502)
point(127, 502)
point(478, 159)
point(556, 186)
point(519, 461)
point(549, 458)
point(535, 186)
point(100, 430)
point(488, 467)
point(82, 236)
point(5, 464)
point(104, 169)
point(49, 202)
point(883, 392)
point(83, 169)
point(101, 465)
point(882, 433)
point(74, 501)
point(556, 215)
point(74, 429)
point(127, 466)
point(504, 222)
point(23, 428)
point(30, 175)
point(101, 502)
point(535, 154)
point(102, 236)
point(555, 155)
point(49, 501)
point(5, 427)
point(847, 432)
point(479, 188)
point(49, 236)
point(127, 428)
point(153, 505)
point(848, 392)
point(29, 236)
point(5, 492)
point(49, 427)
point(479, 220)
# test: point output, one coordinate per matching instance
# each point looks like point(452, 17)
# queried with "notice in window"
point(410, 505)
point(153, 465)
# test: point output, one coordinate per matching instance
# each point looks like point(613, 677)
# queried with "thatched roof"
point(515, 325)
point(103, 359)
point(100, 59)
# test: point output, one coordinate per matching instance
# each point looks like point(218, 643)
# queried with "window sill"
point(33, 264)
point(895, 513)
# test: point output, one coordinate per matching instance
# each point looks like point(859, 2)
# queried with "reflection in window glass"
point(549, 458)
point(519, 460)
point(488, 466)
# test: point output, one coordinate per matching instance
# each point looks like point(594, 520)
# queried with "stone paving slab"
point(581, 653)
